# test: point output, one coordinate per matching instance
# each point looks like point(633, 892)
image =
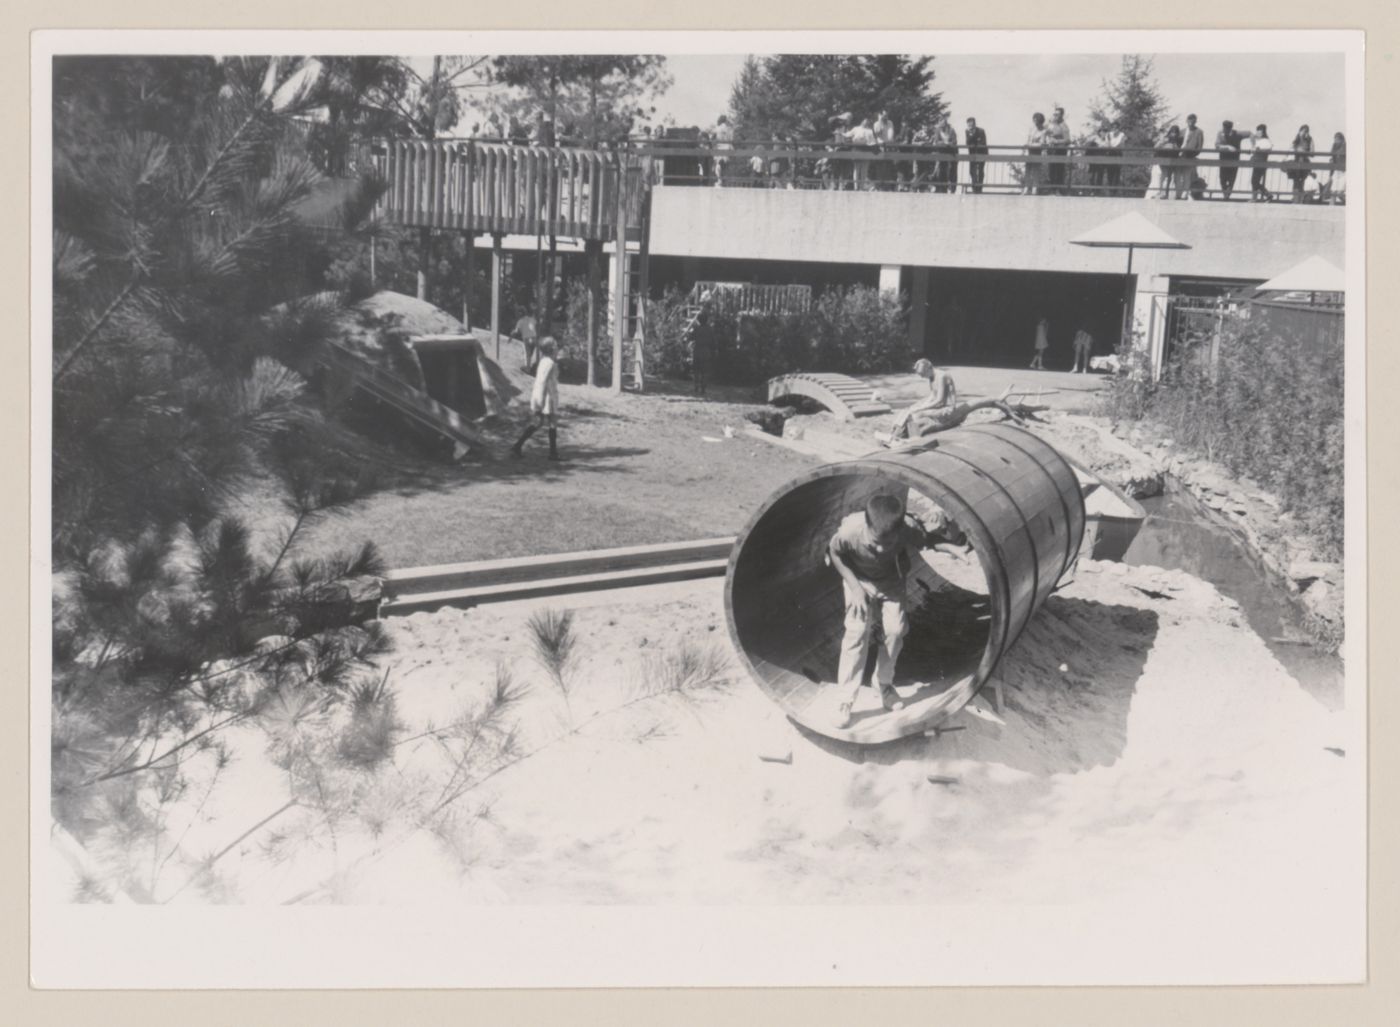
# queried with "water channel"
point(1181, 533)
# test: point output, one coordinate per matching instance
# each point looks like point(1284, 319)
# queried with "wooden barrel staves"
point(1017, 500)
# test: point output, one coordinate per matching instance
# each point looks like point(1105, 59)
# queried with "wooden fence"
point(744, 297)
point(494, 187)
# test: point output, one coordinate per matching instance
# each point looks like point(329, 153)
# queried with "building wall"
point(1031, 233)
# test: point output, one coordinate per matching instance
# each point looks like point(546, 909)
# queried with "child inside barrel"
point(873, 550)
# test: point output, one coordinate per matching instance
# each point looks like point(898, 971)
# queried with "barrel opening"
point(787, 608)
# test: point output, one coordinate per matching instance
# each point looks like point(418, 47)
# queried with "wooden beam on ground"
point(467, 584)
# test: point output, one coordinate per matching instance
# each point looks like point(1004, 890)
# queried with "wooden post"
point(551, 272)
point(496, 291)
point(471, 280)
point(643, 278)
point(373, 283)
point(425, 244)
point(594, 255)
point(620, 275)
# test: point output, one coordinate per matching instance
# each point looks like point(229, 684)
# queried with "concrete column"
point(889, 278)
point(918, 310)
point(1148, 320)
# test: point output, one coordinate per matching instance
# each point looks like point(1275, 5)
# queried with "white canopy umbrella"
point(1313, 275)
point(1128, 231)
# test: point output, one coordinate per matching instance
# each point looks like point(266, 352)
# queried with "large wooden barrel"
point(1018, 501)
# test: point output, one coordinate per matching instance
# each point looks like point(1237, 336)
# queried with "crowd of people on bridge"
point(932, 158)
point(935, 157)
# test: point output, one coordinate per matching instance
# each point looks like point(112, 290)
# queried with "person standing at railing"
point(1035, 141)
point(945, 144)
point(724, 142)
point(1261, 146)
point(921, 171)
point(1057, 140)
point(758, 167)
point(1228, 142)
point(1302, 153)
point(1192, 144)
point(837, 171)
point(881, 171)
point(1111, 140)
point(862, 137)
point(1167, 153)
point(1337, 177)
point(976, 146)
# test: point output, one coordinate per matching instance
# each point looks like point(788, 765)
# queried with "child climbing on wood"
point(544, 400)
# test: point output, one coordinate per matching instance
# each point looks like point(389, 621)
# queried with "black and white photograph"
point(754, 508)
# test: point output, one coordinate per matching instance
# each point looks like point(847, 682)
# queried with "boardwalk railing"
point(747, 298)
point(499, 187)
point(1074, 170)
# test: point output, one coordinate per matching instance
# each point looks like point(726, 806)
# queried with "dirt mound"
point(378, 327)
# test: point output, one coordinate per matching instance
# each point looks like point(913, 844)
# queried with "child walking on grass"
point(544, 400)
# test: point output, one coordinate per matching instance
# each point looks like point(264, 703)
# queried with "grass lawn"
point(635, 469)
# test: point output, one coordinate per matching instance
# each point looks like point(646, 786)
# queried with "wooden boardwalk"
point(500, 188)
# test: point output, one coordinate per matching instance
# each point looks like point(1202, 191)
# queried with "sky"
point(1001, 91)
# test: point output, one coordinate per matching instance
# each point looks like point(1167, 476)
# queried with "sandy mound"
point(1149, 748)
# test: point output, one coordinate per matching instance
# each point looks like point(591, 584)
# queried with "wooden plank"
point(442, 577)
point(531, 188)
point(555, 586)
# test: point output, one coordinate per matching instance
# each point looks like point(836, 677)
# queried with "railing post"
point(594, 256)
point(619, 276)
point(496, 291)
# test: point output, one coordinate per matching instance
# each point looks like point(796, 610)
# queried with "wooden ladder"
point(634, 325)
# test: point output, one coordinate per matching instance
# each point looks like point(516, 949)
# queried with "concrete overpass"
point(909, 236)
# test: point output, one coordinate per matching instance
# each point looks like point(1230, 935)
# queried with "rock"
point(1304, 572)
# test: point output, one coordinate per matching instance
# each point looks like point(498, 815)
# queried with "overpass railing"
point(750, 298)
point(1275, 176)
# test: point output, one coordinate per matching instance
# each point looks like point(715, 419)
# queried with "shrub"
point(855, 330)
point(554, 643)
point(1271, 408)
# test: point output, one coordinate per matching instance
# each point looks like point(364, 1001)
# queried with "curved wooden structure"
point(841, 394)
point(1018, 501)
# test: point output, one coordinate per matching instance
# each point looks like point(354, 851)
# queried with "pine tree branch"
point(152, 761)
point(96, 326)
point(137, 276)
point(209, 863)
point(576, 729)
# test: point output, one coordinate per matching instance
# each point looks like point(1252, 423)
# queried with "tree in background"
point(1133, 103)
point(797, 95)
point(175, 233)
point(596, 96)
point(376, 97)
